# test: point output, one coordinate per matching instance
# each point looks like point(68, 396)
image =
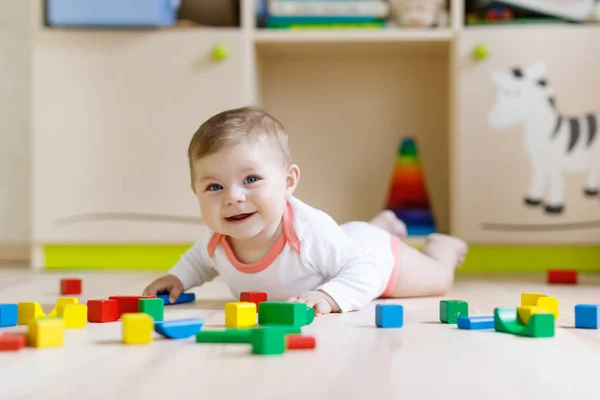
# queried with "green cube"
point(269, 340)
point(450, 310)
point(153, 307)
point(284, 313)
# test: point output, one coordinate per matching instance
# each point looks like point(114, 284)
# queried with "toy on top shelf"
point(408, 197)
point(70, 286)
point(420, 13)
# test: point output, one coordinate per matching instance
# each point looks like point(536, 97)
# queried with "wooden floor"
point(353, 360)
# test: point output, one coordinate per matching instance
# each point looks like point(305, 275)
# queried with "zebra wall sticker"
point(555, 143)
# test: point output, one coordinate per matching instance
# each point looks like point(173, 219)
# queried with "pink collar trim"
point(288, 236)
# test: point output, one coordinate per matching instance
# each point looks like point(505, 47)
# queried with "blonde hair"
point(232, 126)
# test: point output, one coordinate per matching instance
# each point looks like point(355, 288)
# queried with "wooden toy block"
point(153, 307)
point(587, 316)
point(253, 297)
point(269, 340)
point(70, 286)
point(103, 310)
point(46, 332)
point(12, 341)
point(475, 322)
point(226, 336)
point(562, 276)
point(9, 315)
point(75, 315)
point(137, 328)
point(530, 299)
point(240, 315)
point(285, 313)
point(300, 342)
point(62, 301)
point(29, 312)
point(526, 312)
point(389, 315)
point(183, 298)
point(506, 320)
point(450, 310)
point(129, 304)
point(179, 329)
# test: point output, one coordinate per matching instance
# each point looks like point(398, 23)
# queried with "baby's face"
point(242, 189)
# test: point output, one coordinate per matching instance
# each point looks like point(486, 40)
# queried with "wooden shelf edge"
point(354, 35)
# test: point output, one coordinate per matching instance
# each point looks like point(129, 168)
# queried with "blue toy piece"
point(587, 316)
point(179, 329)
point(8, 315)
point(480, 322)
point(183, 298)
point(389, 315)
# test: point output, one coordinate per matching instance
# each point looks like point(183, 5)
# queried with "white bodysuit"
point(354, 263)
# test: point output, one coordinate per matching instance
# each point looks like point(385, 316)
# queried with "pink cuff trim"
point(288, 236)
point(394, 275)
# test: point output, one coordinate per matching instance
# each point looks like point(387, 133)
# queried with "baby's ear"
point(291, 180)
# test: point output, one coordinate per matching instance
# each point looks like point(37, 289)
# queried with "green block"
point(269, 340)
point(284, 313)
point(540, 325)
point(226, 336)
point(450, 310)
point(153, 307)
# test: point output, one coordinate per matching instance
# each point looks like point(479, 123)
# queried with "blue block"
point(8, 315)
point(179, 329)
point(481, 322)
point(587, 316)
point(389, 315)
point(183, 298)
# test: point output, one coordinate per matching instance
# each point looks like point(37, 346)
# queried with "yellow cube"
point(61, 301)
point(75, 315)
point(46, 332)
point(549, 303)
point(137, 328)
point(29, 312)
point(530, 299)
point(526, 312)
point(240, 314)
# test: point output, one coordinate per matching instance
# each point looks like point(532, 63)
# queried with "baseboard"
point(17, 254)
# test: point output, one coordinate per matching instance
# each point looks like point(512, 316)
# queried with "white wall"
point(14, 120)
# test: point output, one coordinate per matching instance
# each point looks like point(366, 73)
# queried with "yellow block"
point(61, 301)
point(549, 303)
point(525, 312)
point(46, 332)
point(240, 314)
point(75, 315)
point(137, 328)
point(530, 299)
point(29, 312)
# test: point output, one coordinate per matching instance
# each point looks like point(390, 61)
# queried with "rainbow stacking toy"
point(408, 196)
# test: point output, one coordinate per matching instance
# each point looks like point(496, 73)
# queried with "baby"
point(259, 237)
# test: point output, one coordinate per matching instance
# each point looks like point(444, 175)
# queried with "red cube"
point(299, 342)
point(253, 297)
point(12, 341)
point(562, 276)
point(70, 286)
point(103, 310)
point(129, 304)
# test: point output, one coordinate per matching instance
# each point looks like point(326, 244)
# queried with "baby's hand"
point(167, 283)
point(320, 301)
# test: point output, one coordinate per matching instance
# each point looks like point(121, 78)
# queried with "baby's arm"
point(352, 276)
point(193, 269)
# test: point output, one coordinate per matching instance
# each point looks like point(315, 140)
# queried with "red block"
point(562, 276)
point(299, 342)
point(103, 310)
point(128, 304)
point(12, 341)
point(253, 297)
point(70, 286)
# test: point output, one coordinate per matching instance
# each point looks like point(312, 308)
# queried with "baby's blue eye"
point(252, 179)
point(213, 187)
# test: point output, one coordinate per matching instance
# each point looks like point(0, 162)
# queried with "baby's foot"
point(447, 249)
point(388, 221)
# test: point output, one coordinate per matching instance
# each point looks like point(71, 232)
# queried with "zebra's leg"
point(537, 185)
point(555, 202)
point(591, 182)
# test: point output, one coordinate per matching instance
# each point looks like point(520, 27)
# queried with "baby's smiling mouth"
point(240, 217)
